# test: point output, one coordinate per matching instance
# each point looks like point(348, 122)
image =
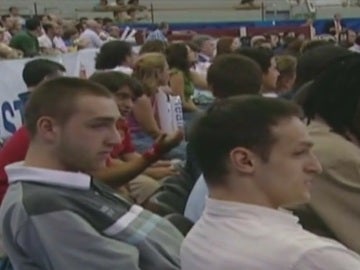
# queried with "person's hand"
point(162, 163)
point(162, 172)
point(164, 143)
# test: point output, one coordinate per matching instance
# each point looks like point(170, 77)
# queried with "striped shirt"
point(63, 220)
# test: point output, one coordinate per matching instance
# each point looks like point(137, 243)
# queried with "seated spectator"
point(15, 14)
point(46, 41)
point(229, 75)
point(58, 39)
point(180, 58)
point(15, 148)
point(114, 32)
point(286, 65)
point(266, 60)
point(227, 45)
point(159, 33)
point(91, 34)
point(144, 185)
point(206, 45)
point(72, 123)
point(115, 55)
point(8, 24)
point(332, 110)
point(27, 40)
point(263, 160)
point(152, 71)
point(156, 45)
point(7, 52)
point(356, 46)
point(71, 39)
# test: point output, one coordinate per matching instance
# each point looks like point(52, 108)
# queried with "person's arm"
point(157, 170)
point(144, 115)
point(119, 173)
point(328, 258)
point(199, 80)
point(96, 40)
point(67, 241)
point(177, 85)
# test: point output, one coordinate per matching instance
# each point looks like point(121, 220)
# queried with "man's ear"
point(242, 160)
point(47, 128)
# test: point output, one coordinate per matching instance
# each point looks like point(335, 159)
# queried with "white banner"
point(12, 85)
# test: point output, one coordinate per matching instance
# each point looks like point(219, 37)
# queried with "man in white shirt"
point(206, 45)
point(262, 161)
point(46, 41)
point(91, 34)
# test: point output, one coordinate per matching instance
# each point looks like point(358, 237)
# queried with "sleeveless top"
point(189, 87)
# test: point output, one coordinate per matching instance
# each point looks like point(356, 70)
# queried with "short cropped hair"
point(232, 75)
point(35, 71)
point(244, 121)
point(262, 56)
point(112, 54)
point(114, 80)
point(57, 98)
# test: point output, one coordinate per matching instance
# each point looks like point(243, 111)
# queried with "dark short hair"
point(35, 71)
point(57, 99)
point(177, 57)
point(262, 56)
point(47, 27)
point(245, 121)
point(335, 95)
point(32, 24)
point(112, 54)
point(232, 75)
point(114, 80)
point(314, 61)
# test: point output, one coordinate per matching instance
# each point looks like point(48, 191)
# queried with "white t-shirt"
point(45, 42)
point(234, 236)
point(124, 69)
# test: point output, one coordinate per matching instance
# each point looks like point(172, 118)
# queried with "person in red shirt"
point(145, 176)
point(15, 148)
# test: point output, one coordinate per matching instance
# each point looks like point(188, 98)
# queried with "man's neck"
point(248, 193)
point(32, 33)
point(51, 36)
point(205, 56)
point(40, 157)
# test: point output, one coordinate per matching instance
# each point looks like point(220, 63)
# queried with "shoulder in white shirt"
point(124, 69)
point(235, 236)
point(45, 42)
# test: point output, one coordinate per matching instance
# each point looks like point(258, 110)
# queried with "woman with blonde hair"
point(152, 71)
